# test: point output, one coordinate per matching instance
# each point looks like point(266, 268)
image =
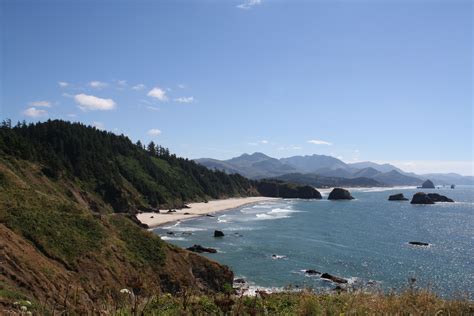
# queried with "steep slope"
point(62, 245)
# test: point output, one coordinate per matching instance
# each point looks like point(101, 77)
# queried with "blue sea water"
point(364, 240)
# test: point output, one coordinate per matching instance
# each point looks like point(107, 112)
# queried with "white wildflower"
point(125, 291)
point(23, 308)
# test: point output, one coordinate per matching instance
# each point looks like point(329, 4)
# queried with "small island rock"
point(218, 233)
point(340, 194)
point(428, 184)
point(201, 249)
point(397, 197)
point(421, 198)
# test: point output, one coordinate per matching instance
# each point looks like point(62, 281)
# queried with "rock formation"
point(340, 194)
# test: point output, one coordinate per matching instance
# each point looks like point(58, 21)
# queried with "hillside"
point(68, 198)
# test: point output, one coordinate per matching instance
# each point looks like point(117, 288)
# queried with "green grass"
point(143, 247)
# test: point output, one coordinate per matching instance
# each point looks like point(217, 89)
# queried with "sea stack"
point(397, 197)
point(340, 194)
point(421, 198)
point(428, 184)
point(218, 233)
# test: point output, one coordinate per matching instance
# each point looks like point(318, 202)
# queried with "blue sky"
point(359, 80)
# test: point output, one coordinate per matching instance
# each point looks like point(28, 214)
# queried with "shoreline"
point(154, 220)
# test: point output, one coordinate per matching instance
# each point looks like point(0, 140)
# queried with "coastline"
point(154, 220)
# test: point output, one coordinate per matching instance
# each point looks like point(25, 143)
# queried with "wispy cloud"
point(139, 86)
point(181, 86)
point(184, 100)
point(45, 104)
point(319, 142)
point(248, 4)
point(34, 112)
point(98, 84)
point(93, 103)
point(63, 84)
point(154, 132)
point(158, 93)
point(260, 142)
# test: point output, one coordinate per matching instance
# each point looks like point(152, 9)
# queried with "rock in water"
point(218, 233)
point(428, 184)
point(419, 243)
point(201, 249)
point(397, 197)
point(421, 198)
point(312, 272)
point(435, 197)
point(333, 278)
point(340, 194)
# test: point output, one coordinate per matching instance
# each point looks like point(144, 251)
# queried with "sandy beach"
point(197, 209)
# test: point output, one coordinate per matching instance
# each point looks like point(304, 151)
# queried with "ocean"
point(271, 244)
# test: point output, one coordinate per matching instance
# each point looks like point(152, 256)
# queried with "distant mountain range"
point(322, 171)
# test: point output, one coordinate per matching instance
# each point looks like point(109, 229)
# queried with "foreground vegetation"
point(409, 302)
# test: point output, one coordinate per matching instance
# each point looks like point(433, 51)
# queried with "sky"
point(386, 81)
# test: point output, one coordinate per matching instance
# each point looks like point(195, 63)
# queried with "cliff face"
point(60, 245)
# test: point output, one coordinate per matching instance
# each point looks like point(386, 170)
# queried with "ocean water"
point(364, 240)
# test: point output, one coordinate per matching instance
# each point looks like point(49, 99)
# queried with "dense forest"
point(114, 167)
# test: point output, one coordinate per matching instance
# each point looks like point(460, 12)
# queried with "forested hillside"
point(123, 174)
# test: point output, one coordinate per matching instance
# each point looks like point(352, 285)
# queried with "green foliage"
point(143, 247)
point(114, 168)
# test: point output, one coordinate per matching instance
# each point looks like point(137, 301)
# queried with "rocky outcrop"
point(340, 194)
point(435, 197)
point(274, 188)
point(421, 198)
point(218, 233)
point(430, 198)
point(201, 249)
point(333, 278)
point(397, 197)
point(428, 184)
point(312, 272)
point(419, 243)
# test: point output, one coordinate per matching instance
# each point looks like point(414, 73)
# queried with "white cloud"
point(248, 4)
point(184, 100)
point(319, 142)
point(45, 104)
point(181, 86)
point(98, 125)
point(34, 112)
point(158, 93)
point(93, 103)
point(63, 84)
point(139, 86)
point(260, 142)
point(72, 115)
point(154, 132)
point(122, 83)
point(98, 84)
